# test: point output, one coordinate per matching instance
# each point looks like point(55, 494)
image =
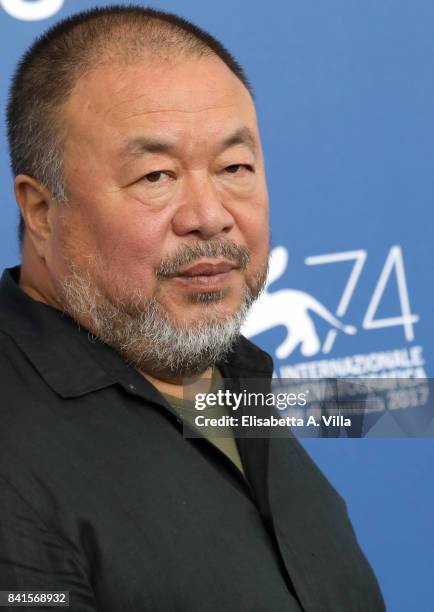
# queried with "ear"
point(36, 204)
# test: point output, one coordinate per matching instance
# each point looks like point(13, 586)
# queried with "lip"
point(206, 276)
point(206, 269)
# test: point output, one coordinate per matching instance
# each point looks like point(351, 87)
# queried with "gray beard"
point(141, 330)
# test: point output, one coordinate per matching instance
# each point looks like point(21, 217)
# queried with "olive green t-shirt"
point(186, 408)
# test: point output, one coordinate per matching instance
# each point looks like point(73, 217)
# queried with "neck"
point(176, 386)
point(35, 281)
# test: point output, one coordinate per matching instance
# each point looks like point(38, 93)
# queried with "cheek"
point(254, 226)
point(121, 244)
point(132, 245)
point(256, 234)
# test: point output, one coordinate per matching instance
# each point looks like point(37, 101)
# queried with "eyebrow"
point(141, 145)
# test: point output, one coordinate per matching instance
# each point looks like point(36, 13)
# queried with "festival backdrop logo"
point(303, 353)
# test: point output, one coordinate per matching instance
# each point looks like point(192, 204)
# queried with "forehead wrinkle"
point(176, 110)
point(117, 110)
point(141, 145)
point(171, 110)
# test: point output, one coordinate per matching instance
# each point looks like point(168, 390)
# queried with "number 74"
point(394, 262)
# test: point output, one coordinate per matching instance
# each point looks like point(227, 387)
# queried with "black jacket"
point(101, 495)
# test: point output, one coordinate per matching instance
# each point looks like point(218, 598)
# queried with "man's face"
point(166, 190)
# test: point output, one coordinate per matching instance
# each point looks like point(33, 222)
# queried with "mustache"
point(187, 254)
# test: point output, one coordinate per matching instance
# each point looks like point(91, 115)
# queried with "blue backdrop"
point(345, 95)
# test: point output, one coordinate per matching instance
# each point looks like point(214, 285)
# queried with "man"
point(140, 179)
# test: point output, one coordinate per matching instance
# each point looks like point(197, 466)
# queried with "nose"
point(202, 211)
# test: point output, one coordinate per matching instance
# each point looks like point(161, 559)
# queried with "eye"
point(153, 177)
point(237, 168)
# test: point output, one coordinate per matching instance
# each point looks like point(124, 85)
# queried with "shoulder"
point(24, 395)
